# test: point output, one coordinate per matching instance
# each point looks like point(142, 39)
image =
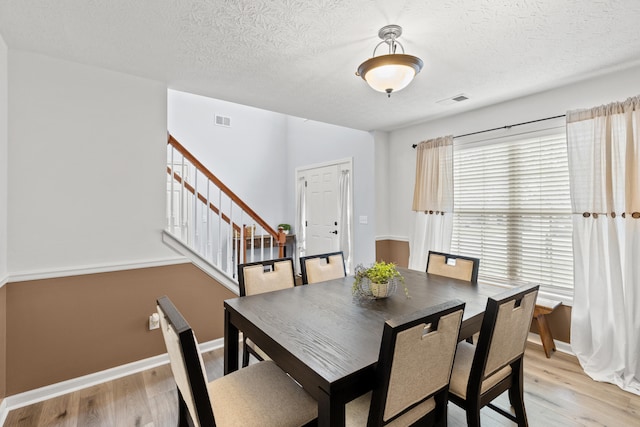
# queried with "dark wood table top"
point(327, 338)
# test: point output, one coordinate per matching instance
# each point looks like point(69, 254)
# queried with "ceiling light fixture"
point(391, 72)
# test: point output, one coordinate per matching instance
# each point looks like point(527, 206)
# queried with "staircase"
point(210, 224)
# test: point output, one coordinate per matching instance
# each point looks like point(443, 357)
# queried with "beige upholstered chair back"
point(494, 365)
point(257, 281)
point(510, 332)
point(422, 363)
point(461, 268)
point(321, 270)
point(178, 364)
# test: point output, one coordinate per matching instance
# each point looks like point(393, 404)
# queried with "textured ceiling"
point(299, 57)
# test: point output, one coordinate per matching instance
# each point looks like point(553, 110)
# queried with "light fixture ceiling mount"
point(391, 72)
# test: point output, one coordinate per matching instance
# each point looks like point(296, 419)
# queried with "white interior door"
point(322, 210)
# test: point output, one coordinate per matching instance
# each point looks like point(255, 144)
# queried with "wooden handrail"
point(187, 155)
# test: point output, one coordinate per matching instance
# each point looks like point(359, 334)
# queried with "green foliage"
point(284, 226)
point(379, 272)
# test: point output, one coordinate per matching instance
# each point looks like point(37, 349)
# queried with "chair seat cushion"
point(462, 369)
point(357, 412)
point(260, 395)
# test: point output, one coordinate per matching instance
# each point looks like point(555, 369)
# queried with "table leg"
point(545, 335)
point(231, 337)
point(330, 413)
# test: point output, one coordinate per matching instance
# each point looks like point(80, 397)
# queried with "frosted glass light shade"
point(390, 73)
point(394, 77)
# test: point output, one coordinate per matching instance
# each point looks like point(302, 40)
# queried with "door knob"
point(334, 232)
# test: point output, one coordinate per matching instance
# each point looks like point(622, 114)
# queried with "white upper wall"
point(258, 155)
point(87, 177)
point(4, 165)
point(616, 86)
point(383, 208)
point(250, 157)
point(311, 143)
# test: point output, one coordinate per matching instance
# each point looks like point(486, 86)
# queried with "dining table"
point(328, 339)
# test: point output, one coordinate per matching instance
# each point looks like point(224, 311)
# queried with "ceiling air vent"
point(453, 100)
point(223, 121)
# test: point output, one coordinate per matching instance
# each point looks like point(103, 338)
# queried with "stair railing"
point(210, 219)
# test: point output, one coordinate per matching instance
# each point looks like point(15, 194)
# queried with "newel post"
point(282, 240)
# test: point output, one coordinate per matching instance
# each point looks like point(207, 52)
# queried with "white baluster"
point(231, 267)
point(251, 245)
point(219, 263)
point(194, 204)
point(271, 247)
point(208, 249)
point(261, 244)
point(172, 214)
point(183, 220)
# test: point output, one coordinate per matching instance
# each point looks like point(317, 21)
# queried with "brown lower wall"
point(393, 251)
point(3, 342)
point(559, 322)
point(64, 328)
point(398, 252)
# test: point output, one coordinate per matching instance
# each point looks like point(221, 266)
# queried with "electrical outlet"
point(154, 321)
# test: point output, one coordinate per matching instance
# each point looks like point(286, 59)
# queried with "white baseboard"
point(397, 238)
point(54, 390)
point(561, 346)
point(3, 411)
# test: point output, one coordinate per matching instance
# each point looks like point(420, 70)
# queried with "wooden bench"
point(544, 307)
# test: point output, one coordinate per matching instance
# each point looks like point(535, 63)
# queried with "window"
point(513, 211)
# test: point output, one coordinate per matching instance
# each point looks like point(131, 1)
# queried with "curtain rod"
point(505, 127)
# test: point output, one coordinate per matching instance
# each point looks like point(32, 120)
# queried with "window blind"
point(512, 209)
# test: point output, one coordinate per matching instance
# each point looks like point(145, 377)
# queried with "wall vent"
point(223, 121)
point(453, 100)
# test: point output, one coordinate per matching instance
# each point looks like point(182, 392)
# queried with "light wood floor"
point(557, 393)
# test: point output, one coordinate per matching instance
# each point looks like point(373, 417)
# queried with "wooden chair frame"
point(303, 265)
point(267, 264)
point(197, 386)
point(392, 327)
point(476, 263)
point(195, 377)
point(475, 399)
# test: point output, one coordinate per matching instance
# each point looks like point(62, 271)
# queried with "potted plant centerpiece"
point(378, 281)
point(286, 228)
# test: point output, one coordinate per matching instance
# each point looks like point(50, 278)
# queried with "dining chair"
point(413, 370)
point(259, 277)
point(259, 395)
point(484, 371)
point(454, 266)
point(322, 267)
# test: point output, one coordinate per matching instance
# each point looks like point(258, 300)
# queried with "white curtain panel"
point(346, 219)
point(604, 165)
point(432, 201)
